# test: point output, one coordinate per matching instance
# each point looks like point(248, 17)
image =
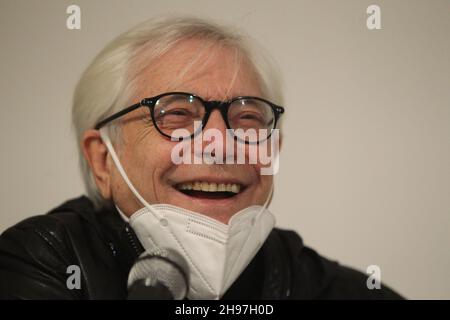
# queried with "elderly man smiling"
point(164, 83)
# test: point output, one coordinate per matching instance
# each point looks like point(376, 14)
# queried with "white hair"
point(106, 86)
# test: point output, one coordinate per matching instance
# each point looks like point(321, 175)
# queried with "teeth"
point(210, 187)
point(186, 186)
point(205, 186)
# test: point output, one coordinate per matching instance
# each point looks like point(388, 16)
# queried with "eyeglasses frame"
point(210, 105)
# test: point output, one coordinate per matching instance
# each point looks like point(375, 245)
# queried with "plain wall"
point(365, 167)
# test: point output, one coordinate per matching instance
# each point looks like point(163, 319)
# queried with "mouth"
point(210, 190)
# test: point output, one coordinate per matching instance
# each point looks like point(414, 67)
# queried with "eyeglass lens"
point(246, 116)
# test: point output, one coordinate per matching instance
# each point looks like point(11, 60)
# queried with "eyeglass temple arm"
point(117, 115)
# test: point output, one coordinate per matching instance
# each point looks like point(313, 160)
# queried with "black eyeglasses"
point(170, 111)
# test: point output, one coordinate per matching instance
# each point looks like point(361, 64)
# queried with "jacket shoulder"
point(317, 277)
point(350, 283)
point(35, 255)
point(50, 231)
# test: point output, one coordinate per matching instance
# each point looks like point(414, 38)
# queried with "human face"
point(213, 74)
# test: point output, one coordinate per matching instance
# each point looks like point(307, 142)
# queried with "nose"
point(214, 135)
point(216, 121)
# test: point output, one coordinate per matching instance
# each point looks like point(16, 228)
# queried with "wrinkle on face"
point(216, 73)
point(202, 60)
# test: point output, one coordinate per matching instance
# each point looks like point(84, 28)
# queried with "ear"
point(96, 154)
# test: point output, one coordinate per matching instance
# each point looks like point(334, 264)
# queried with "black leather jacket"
point(35, 255)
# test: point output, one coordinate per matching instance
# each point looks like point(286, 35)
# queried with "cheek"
point(146, 164)
point(145, 155)
point(152, 158)
point(262, 158)
point(145, 148)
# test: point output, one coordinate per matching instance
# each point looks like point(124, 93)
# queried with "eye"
point(250, 116)
point(176, 112)
point(249, 113)
point(174, 116)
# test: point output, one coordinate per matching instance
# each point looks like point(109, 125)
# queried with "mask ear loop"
point(264, 207)
point(266, 203)
point(115, 158)
point(269, 197)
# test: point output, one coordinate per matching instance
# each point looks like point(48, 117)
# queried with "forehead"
point(201, 67)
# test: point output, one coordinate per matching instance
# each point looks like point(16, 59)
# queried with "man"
point(164, 91)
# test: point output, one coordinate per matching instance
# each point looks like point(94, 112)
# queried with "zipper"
point(132, 240)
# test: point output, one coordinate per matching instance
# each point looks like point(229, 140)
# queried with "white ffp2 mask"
point(216, 253)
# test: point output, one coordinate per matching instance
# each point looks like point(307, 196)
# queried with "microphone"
point(160, 274)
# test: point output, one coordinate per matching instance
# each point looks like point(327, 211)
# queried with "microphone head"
point(161, 267)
